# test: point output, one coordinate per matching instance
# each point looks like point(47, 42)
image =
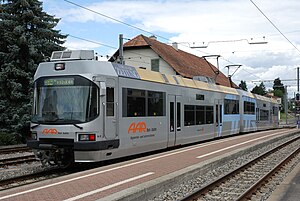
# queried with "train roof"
point(81, 62)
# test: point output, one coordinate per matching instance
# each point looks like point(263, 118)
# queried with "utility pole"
point(285, 104)
point(121, 57)
point(297, 79)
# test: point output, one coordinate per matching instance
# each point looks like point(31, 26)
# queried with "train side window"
point(134, 103)
point(189, 115)
point(200, 115)
point(231, 106)
point(156, 102)
point(110, 101)
point(249, 108)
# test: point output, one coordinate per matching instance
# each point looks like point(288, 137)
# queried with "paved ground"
point(138, 175)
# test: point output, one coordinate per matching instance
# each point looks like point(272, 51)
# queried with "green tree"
point(243, 85)
point(278, 88)
point(260, 90)
point(27, 38)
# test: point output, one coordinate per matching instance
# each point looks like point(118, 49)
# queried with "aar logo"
point(137, 127)
point(52, 131)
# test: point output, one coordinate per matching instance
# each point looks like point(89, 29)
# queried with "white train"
point(87, 110)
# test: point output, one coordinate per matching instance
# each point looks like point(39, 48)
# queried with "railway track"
point(249, 179)
point(14, 149)
point(30, 178)
point(17, 160)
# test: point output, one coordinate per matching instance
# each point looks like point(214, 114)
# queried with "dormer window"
point(155, 65)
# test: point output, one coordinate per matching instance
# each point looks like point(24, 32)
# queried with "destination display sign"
point(59, 82)
point(126, 71)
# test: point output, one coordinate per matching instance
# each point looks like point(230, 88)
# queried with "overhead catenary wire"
point(274, 25)
point(132, 26)
point(116, 20)
point(135, 27)
point(91, 41)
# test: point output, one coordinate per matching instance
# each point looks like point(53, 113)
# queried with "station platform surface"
point(136, 179)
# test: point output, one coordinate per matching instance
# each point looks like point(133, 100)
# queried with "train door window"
point(257, 114)
point(178, 116)
point(217, 114)
point(209, 117)
point(209, 114)
point(172, 117)
point(221, 113)
point(110, 101)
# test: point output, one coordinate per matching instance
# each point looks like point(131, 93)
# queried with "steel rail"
point(14, 149)
point(208, 187)
point(247, 194)
point(17, 160)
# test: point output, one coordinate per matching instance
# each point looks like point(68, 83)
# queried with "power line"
point(114, 19)
point(95, 42)
point(132, 26)
point(274, 26)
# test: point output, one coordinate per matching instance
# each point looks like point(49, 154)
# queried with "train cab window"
point(65, 100)
point(110, 101)
point(275, 111)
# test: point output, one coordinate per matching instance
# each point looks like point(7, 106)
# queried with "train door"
point(111, 110)
point(175, 119)
point(219, 117)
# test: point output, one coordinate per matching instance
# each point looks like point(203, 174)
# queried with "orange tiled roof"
point(185, 64)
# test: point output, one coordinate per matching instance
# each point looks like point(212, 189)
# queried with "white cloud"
point(204, 21)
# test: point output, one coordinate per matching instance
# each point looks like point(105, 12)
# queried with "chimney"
point(175, 46)
point(153, 37)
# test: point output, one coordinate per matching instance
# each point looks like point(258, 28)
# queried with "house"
point(148, 53)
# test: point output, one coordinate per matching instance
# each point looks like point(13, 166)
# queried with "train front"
point(66, 112)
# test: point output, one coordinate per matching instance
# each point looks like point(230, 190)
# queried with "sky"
point(225, 27)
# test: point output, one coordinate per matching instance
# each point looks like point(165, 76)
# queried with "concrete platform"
point(143, 178)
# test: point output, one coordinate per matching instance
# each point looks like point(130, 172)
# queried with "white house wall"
point(142, 58)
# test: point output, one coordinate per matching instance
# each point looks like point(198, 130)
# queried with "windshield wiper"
point(32, 127)
point(77, 126)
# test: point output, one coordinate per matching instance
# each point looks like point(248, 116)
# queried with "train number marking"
point(140, 127)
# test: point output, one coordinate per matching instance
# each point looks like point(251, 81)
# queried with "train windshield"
point(65, 100)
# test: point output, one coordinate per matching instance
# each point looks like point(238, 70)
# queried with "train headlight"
point(86, 137)
point(33, 135)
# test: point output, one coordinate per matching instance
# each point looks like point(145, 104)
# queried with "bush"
point(9, 139)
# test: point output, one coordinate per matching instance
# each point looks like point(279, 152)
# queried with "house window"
point(155, 65)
